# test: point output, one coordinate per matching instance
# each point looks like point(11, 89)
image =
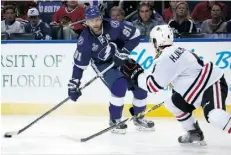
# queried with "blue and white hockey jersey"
point(42, 30)
point(99, 49)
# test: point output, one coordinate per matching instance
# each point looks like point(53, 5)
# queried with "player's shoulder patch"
point(114, 23)
point(80, 40)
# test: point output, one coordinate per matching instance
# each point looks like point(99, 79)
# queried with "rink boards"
point(35, 74)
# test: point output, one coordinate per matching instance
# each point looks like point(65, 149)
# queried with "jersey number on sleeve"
point(77, 55)
point(127, 31)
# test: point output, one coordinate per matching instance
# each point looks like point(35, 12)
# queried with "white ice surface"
point(50, 136)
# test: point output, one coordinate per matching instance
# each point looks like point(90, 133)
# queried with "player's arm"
point(162, 75)
point(130, 36)
point(82, 58)
point(151, 82)
point(159, 78)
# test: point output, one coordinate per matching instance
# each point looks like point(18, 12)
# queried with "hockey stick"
point(113, 126)
point(144, 112)
point(13, 133)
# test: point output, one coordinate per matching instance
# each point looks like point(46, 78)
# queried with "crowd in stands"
point(46, 20)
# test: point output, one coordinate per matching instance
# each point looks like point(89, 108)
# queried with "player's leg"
point(117, 85)
point(118, 91)
point(214, 107)
point(139, 105)
point(183, 113)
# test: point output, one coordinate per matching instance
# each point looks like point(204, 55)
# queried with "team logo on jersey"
point(115, 24)
point(106, 53)
point(94, 47)
point(101, 39)
point(80, 40)
point(108, 37)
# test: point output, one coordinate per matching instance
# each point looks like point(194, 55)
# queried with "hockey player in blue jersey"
point(102, 43)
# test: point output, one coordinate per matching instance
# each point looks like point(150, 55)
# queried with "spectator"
point(21, 8)
point(229, 26)
point(72, 12)
point(215, 24)
point(155, 15)
point(10, 25)
point(168, 12)
point(181, 21)
point(202, 10)
point(41, 29)
point(117, 13)
point(145, 23)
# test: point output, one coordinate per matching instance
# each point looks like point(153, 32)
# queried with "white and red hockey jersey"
point(188, 75)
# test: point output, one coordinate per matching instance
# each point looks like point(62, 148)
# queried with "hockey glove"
point(131, 70)
point(73, 89)
point(120, 57)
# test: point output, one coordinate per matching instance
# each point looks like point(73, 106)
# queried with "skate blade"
point(141, 128)
point(195, 143)
point(118, 131)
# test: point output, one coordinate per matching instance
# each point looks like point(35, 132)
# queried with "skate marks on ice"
point(61, 136)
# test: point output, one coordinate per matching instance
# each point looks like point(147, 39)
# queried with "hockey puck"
point(7, 136)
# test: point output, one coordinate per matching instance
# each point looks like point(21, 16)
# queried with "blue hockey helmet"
point(92, 12)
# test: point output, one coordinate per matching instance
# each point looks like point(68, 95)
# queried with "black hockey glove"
point(131, 70)
point(73, 89)
point(120, 57)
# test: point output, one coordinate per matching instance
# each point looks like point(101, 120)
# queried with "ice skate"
point(195, 137)
point(143, 124)
point(121, 129)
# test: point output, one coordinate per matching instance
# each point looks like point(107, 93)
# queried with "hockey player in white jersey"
point(194, 84)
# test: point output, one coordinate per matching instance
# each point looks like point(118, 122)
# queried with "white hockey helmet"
point(160, 36)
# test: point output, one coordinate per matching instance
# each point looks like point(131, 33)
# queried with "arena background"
point(35, 76)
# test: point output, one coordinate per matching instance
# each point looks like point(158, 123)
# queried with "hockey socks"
point(187, 120)
point(115, 111)
point(139, 105)
point(220, 119)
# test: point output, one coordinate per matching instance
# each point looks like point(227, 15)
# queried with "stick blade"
point(82, 140)
point(71, 138)
point(11, 134)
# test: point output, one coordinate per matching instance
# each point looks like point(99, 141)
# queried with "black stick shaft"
point(113, 126)
point(48, 112)
point(102, 131)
